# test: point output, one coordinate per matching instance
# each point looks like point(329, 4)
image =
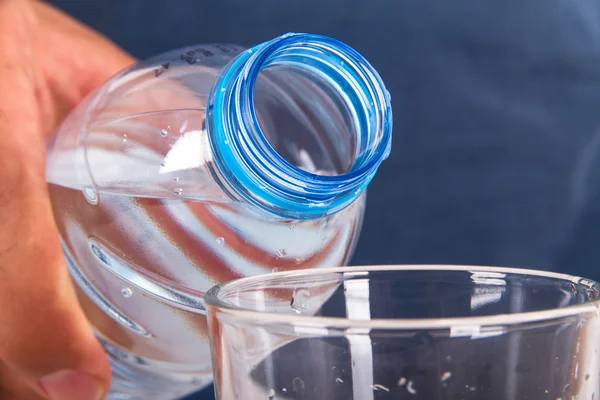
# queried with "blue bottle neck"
point(250, 165)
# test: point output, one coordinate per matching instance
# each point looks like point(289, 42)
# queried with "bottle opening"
point(306, 118)
point(299, 125)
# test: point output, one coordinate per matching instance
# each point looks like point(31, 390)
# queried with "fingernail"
point(72, 385)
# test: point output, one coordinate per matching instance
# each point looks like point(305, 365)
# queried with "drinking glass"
point(406, 332)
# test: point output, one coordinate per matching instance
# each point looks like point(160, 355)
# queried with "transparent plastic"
point(203, 165)
point(406, 332)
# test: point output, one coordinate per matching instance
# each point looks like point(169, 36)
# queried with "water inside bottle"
point(138, 256)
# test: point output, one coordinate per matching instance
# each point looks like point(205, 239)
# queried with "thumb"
point(44, 336)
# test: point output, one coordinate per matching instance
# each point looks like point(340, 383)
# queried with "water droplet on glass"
point(470, 388)
point(409, 387)
point(281, 253)
point(587, 377)
point(220, 241)
point(178, 191)
point(90, 195)
point(126, 292)
point(271, 394)
point(379, 388)
point(298, 385)
point(339, 381)
point(445, 376)
point(299, 301)
point(226, 141)
point(284, 390)
point(163, 133)
point(176, 179)
point(292, 226)
point(401, 381)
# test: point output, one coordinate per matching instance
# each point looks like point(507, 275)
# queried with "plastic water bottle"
point(203, 165)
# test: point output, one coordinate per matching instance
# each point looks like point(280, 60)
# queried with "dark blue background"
point(496, 106)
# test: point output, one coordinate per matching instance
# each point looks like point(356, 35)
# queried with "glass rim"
point(213, 301)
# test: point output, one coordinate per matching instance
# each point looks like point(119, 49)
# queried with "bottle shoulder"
point(178, 79)
point(143, 131)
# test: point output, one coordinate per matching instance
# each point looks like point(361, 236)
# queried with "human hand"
point(48, 63)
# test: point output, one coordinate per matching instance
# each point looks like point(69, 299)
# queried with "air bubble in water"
point(139, 360)
point(176, 179)
point(379, 388)
point(281, 253)
point(220, 241)
point(183, 127)
point(126, 292)
point(299, 301)
point(90, 195)
point(339, 381)
point(271, 394)
point(163, 133)
point(401, 381)
point(292, 226)
point(284, 390)
point(125, 138)
point(178, 191)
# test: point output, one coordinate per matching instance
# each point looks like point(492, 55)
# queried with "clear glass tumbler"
point(406, 332)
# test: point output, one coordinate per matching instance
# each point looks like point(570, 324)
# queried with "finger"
point(14, 387)
point(44, 335)
point(80, 60)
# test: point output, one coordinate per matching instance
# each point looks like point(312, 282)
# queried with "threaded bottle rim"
point(255, 170)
